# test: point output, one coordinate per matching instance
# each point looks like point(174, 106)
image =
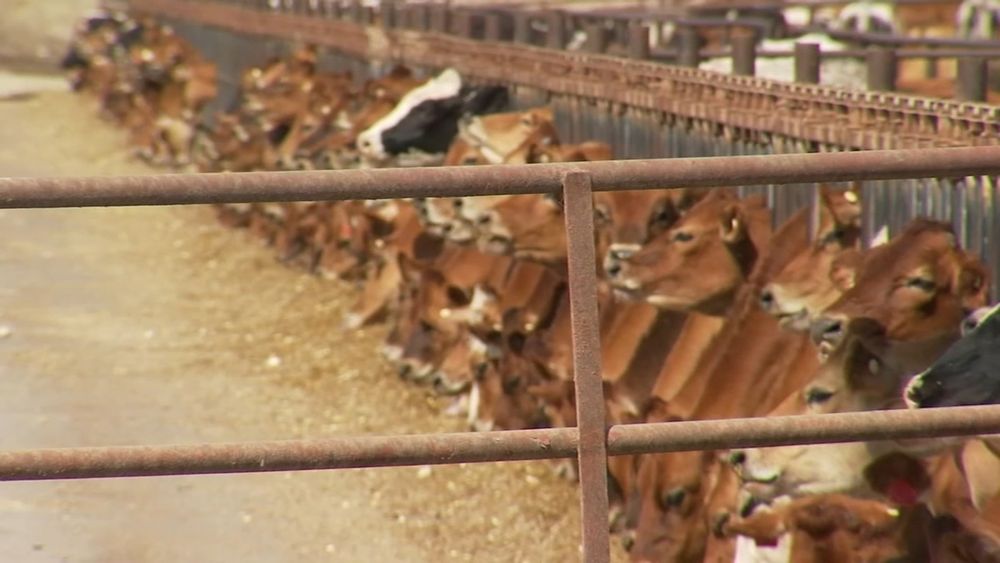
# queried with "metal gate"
point(592, 441)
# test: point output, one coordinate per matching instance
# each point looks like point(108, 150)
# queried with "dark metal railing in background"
point(592, 441)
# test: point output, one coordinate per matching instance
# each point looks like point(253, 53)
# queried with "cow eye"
point(923, 284)
point(674, 498)
point(602, 214)
point(469, 160)
point(817, 396)
point(663, 216)
point(833, 236)
point(683, 236)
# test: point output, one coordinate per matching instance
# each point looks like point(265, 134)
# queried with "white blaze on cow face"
point(443, 86)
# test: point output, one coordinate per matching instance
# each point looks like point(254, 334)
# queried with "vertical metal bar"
point(522, 28)
point(638, 42)
point(591, 423)
point(597, 38)
point(881, 69)
point(744, 54)
point(556, 38)
point(972, 81)
point(807, 66)
point(690, 45)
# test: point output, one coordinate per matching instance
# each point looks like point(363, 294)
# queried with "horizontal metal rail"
point(490, 180)
point(430, 449)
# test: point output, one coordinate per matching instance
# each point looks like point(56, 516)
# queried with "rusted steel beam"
point(471, 447)
point(589, 388)
point(389, 183)
point(804, 429)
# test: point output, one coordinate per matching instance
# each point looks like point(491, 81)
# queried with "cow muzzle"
point(828, 330)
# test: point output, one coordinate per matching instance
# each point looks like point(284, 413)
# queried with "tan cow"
point(698, 264)
point(753, 350)
point(905, 307)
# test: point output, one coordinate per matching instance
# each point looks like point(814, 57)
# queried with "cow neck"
point(751, 342)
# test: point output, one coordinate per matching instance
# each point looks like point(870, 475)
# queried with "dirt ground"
point(155, 326)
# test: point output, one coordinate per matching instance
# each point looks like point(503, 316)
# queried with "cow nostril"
point(766, 299)
point(621, 254)
point(628, 542)
point(614, 270)
point(737, 458)
point(828, 330)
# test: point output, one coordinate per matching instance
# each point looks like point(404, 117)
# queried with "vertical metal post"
point(807, 63)
point(422, 17)
point(439, 16)
point(591, 424)
point(388, 9)
point(638, 42)
point(522, 27)
point(690, 44)
point(463, 23)
point(744, 48)
point(556, 38)
point(354, 11)
point(492, 27)
point(881, 69)
point(597, 38)
point(972, 79)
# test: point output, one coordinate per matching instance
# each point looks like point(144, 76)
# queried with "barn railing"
point(592, 441)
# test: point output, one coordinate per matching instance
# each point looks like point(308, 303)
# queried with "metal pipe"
point(881, 69)
point(556, 37)
point(744, 54)
point(807, 63)
point(638, 42)
point(690, 44)
point(522, 28)
point(475, 447)
point(972, 79)
point(598, 38)
point(803, 429)
point(589, 388)
point(389, 183)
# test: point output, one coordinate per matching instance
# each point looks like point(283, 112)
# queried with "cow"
point(904, 309)
point(806, 287)
point(510, 137)
point(698, 264)
point(968, 373)
point(626, 220)
point(754, 349)
point(426, 118)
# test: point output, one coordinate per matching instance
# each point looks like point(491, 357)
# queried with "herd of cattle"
point(706, 310)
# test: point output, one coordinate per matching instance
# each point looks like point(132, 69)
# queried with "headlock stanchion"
point(592, 441)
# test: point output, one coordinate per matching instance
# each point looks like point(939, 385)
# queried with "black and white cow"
point(968, 373)
point(425, 121)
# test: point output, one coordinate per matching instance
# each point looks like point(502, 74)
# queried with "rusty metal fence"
point(592, 441)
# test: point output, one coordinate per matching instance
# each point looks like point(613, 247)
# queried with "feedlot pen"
point(966, 197)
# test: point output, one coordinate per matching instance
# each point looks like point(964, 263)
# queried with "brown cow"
point(698, 264)
point(905, 308)
point(754, 350)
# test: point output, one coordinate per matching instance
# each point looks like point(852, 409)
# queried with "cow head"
point(805, 287)
point(701, 261)
point(508, 138)
point(525, 226)
point(909, 297)
point(966, 373)
point(672, 492)
point(626, 221)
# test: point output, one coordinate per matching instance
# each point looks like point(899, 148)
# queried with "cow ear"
point(972, 283)
point(844, 268)
point(732, 225)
